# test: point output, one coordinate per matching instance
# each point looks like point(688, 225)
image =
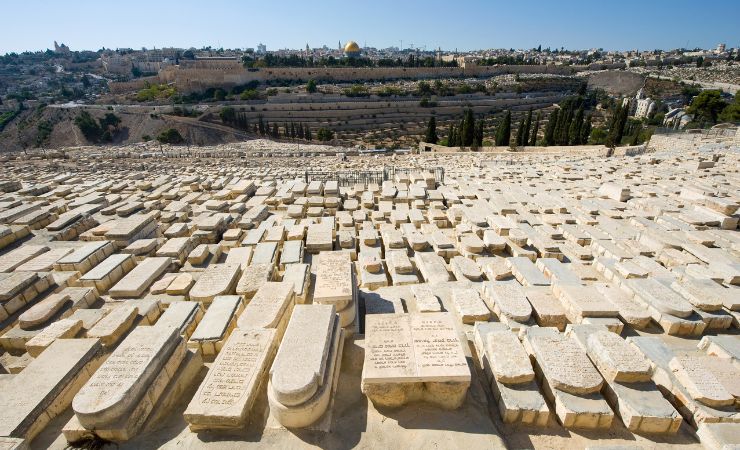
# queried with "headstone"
point(508, 300)
point(252, 278)
point(269, 308)
point(426, 301)
point(412, 357)
point(469, 305)
point(217, 279)
point(336, 285)
point(564, 364)
point(217, 323)
point(140, 278)
point(226, 395)
point(44, 389)
point(117, 399)
point(111, 328)
point(304, 374)
point(701, 384)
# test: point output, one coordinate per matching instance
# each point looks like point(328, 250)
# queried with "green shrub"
point(170, 136)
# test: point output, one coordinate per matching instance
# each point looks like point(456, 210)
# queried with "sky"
point(449, 24)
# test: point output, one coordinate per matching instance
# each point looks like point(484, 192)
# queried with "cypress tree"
point(275, 131)
point(550, 129)
point(479, 133)
point(503, 133)
point(527, 127)
point(586, 131)
point(459, 134)
point(292, 130)
point(564, 125)
point(451, 136)
point(431, 135)
point(520, 133)
point(468, 128)
point(616, 131)
point(261, 126)
point(574, 134)
point(635, 140)
point(533, 138)
point(308, 133)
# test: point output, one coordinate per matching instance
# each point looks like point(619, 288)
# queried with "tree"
point(707, 106)
point(586, 131)
point(108, 121)
point(468, 128)
point(527, 126)
point(550, 129)
point(431, 134)
point(459, 134)
point(451, 139)
point(520, 133)
point(533, 138)
point(574, 133)
point(616, 131)
point(731, 113)
point(227, 115)
point(503, 133)
point(479, 134)
point(324, 134)
point(261, 125)
point(275, 132)
point(311, 86)
point(170, 136)
point(308, 133)
point(88, 126)
point(699, 61)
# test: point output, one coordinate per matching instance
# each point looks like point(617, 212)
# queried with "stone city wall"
point(200, 75)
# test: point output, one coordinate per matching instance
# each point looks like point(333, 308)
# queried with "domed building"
point(351, 49)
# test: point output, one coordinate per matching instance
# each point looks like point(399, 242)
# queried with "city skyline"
point(226, 24)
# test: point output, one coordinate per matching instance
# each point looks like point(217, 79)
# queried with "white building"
point(640, 105)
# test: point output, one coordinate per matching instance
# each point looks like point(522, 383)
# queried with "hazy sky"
point(450, 24)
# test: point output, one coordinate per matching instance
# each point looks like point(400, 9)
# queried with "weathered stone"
point(63, 328)
point(507, 298)
point(271, 305)
point(410, 357)
point(135, 283)
point(304, 374)
point(520, 402)
point(564, 364)
point(701, 384)
point(117, 388)
point(182, 315)
point(469, 306)
point(225, 397)
point(431, 267)
point(111, 328)
point(426, 301)
point(11, 260)
point(29, 400)
point(217, 279)
point(660, 297)
point(216, 325)
point(252, 278)
point(42, 311)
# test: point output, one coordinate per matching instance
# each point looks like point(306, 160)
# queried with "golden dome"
point(351, 47)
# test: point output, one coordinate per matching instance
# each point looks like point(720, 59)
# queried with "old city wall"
point(199, 75)
point(192, 76)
